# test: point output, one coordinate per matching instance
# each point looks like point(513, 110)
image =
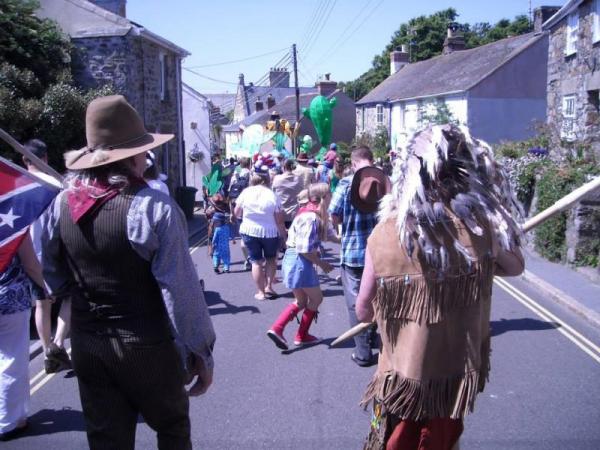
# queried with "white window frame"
point(596, 21)
point(379, 114)
point(162, 76)
point(571, 33)
point(568, 129)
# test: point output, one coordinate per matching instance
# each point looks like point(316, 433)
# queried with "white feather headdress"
point(445, 168)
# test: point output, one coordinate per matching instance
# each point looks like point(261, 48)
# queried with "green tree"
point(424, 36)
point(37, 94)
point(436, 113)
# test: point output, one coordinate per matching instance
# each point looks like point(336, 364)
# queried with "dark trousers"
point(351, 283)
point(119, 381)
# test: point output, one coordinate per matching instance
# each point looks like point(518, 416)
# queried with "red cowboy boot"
point(276, 330)
point(302, 337)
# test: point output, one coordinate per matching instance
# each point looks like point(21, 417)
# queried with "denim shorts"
point(261, 248)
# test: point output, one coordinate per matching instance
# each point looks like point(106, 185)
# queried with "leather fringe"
point(452, 397)
point(425, 300)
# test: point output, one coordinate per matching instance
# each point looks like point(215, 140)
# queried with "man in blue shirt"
point(354, 205)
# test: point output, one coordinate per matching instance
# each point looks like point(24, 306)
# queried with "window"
point(163, 75)
point(572, 30)
point(596, 21)
point(379, 110)
point(362, 119)
point(568, 128)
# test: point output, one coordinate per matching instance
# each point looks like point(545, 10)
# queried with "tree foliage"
point(424, 36)
point(37, 95)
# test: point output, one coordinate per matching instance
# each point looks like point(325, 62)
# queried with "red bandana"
point(83, 201)
point(309, 207)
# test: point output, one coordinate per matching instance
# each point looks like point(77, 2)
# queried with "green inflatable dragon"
point(320, 113)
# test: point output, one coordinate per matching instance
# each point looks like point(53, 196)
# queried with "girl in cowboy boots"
point(309, 228)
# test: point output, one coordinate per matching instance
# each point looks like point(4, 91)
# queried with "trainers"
point(57, 359)
point(309, 339)
point(247, 264)
point(226, 271)
point(364, 362)
point(217, 271)
point(278, 339)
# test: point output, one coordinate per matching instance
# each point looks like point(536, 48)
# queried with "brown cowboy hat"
point(114, 131)
point(369, 185)
point(302, 157)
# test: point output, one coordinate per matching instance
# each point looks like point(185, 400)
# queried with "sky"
point(340, 37)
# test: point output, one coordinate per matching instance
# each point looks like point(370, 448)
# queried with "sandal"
point(258, 296)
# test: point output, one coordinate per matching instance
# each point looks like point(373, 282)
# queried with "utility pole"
point(295, 61)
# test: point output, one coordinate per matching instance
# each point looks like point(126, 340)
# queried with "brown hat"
point(114, 131)
point(302, 157)
point(369, 185)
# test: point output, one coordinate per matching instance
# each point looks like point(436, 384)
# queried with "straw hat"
point(114, 131)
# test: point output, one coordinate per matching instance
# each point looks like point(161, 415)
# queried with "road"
point(543, 391)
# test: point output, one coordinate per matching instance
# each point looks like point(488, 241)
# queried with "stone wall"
point(132, 65)
point(371, 125)
point(577, 74)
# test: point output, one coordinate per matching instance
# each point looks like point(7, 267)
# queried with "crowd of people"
point(418, 253)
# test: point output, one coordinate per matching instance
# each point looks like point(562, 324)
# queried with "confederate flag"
point(23, 198)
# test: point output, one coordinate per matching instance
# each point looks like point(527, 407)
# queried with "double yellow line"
point(566, 330)
point(39, 380)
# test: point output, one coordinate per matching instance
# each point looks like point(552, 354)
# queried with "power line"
point(312, 22)
point(334, 49)
point(318, 32)
point(239, 60)
point(208, 78)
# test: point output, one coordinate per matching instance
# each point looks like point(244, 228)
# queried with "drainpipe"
point(180, 142)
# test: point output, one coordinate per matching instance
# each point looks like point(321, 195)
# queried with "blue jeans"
point(351, 283)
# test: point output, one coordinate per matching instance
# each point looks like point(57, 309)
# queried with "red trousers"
point(434, 434)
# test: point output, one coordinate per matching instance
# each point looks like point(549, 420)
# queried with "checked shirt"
point(356, 226)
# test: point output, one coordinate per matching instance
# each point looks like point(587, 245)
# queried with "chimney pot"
point(114, 6)
point(279, 77)
point(327, 86)
point(455, 40)
point(258, 106)
point(541, 14)
point(398, 59)
point(270, 101)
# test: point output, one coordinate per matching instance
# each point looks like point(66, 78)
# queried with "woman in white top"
point(261, 227)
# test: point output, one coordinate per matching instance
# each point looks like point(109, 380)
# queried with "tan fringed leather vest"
point(435, 330)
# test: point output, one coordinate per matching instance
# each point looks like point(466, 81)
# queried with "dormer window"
point(572, 31)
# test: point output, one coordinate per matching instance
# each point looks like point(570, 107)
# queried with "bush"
point(556, 181)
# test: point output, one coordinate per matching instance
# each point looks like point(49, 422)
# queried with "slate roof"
point(278, 93)
point(225, 102)
point(456, 72)
point(83, 19)
point(286, 109)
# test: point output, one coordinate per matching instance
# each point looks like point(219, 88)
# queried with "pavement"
point(564, 285)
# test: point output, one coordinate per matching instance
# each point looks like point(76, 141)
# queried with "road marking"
point(44, 380)
point(569, 332)
point(33, 389)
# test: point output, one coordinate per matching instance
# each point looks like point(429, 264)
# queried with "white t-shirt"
point(35, 230)
point(259, 205)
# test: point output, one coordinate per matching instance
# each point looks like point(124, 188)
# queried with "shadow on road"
point(524, 324)
point(214, 298)
point(48, 421)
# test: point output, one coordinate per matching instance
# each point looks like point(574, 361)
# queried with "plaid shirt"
point(356, 226)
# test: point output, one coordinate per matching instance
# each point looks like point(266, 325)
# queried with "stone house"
point(498, 90)
point(344, 116)
point(574, 106)
point(144, 67)
point(574, 72)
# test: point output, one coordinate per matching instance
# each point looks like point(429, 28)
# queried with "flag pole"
point(37, 162)
point(566, 202)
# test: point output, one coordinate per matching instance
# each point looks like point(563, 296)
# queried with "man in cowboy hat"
point(118, 249)
point(354, 205)
point(304, 171)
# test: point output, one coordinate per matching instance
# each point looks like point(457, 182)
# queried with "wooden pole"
point(558, 207)
point(297, 89)
point(37, 162)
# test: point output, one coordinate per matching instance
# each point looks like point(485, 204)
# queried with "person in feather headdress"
point(444, 231)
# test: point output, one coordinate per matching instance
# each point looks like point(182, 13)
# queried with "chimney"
point(398, 59)
point(241, 78)
point(279, 77)
point(270, 101)
point(114, 6)
point(326, 86)
point(455, 40)
point(258, 106)
point(541, 15)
